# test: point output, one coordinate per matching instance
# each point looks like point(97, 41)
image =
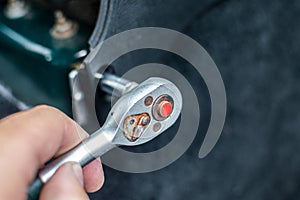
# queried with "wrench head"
point(145, 112)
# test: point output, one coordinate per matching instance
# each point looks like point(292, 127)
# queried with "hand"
point(29, 139)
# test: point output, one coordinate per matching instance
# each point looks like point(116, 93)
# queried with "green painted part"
point(33, 64)
point(34, 189)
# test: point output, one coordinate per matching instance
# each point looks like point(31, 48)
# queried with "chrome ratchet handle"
point(89, 149)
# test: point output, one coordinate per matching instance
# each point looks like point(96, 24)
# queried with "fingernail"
point(78, 173)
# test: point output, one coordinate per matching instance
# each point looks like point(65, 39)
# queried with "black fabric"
point(256, 45)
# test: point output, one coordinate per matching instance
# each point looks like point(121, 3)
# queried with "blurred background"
point(255, 45)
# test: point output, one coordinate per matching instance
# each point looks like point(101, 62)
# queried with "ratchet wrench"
point(139, 116)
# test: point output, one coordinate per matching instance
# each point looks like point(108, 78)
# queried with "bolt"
point(148, 101)
point(16, 9)
point(63, 27)
point(145, 120)
point(156, 126)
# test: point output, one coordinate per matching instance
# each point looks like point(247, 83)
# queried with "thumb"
point(67, 183)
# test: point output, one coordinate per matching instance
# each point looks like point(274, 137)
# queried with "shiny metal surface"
point(115, 85)
point(98, 143)
point(113, 134)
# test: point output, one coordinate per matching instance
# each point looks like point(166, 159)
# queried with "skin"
point(30, 138)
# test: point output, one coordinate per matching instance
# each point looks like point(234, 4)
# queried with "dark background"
point(256, 46)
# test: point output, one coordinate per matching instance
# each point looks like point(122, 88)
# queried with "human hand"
point(30, 138)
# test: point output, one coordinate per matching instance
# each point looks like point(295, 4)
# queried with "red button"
point(165, 108)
